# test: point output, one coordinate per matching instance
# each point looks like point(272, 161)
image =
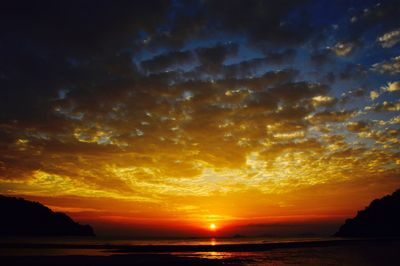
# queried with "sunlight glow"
point(213, 227)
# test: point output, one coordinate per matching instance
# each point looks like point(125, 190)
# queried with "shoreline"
point(242, 247)
point(354, 252)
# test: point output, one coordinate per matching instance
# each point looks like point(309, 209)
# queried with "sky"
point(159, 118)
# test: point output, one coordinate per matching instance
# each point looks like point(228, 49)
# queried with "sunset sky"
point(160, 118)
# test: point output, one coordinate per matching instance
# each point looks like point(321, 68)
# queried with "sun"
point(213, 227)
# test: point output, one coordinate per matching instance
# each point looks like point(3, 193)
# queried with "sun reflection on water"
point(213, 241)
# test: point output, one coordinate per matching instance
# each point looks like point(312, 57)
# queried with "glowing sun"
point(213, 227)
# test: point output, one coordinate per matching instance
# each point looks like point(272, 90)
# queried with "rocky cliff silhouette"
point(20, 217)
point(380, 219)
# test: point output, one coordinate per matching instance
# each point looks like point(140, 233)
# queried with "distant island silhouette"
point(21, 217)
point(380, 219)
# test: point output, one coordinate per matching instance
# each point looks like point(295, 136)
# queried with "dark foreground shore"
point(335, 252)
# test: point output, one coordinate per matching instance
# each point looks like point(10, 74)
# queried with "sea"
point(211, 251)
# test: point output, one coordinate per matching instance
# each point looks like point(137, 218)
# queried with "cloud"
point(343, 48)
point(374, 95)
point(245, 68)
point(82, 113)
point(352, 71)
point(296, 92)
point(351, 95)
point(359, 126)
point(330, 116)
point(391, 67)
point(284, 57)
point(379, 14)
point(389, 39)
point(217, 54)
point(323, 100)
point(82, 27)
point(168, 61)
point(392, 86)
point(384, 107)
point(260, 21)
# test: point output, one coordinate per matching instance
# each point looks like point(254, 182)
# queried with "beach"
point(309, 252)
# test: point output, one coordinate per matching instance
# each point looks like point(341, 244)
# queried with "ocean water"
point(158, 241)
point(279, 251)
point(105, 246)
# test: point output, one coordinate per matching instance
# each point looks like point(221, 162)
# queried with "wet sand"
point(334, 252)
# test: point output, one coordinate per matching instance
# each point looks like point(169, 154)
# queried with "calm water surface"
point(92, 242)
point(359, 253)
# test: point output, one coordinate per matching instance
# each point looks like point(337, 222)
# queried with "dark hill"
point(380, 219)
point(21, 217)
